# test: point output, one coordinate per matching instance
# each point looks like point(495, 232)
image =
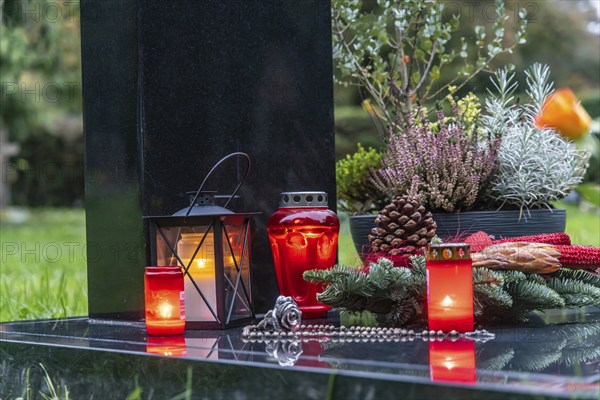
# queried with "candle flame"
point(447, 302)
point(165, 310)
point(201, 263)
point(449, 363)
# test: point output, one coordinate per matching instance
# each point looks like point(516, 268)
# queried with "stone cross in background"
point(7, 150)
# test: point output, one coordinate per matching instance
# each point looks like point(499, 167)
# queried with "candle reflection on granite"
point(168, 346)
point(452, 361)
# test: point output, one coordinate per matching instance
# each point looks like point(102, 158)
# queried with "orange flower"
point(563, 112)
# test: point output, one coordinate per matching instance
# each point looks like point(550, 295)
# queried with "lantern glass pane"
point(237, 267)
point(164, 254)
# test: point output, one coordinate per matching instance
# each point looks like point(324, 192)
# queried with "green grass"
point(42, 265)
point(583, 227)
point(38, 282)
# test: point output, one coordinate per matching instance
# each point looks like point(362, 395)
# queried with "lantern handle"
point(236, 154)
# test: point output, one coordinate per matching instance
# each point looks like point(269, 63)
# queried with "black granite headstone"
point(170, 88)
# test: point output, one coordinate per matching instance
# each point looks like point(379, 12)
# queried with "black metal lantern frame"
point(221, 240)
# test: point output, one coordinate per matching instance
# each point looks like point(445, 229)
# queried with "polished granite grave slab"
point(555, 355)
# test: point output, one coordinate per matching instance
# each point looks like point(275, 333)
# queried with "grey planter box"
point(501, 224)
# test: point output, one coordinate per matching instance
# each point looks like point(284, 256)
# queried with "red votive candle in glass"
point(164, 301)
point(303, 235)
point(449, 288)
point(452, 361)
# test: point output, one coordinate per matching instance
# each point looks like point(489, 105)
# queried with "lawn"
point(43, 263)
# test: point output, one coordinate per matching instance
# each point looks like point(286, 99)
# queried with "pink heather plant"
point(446, 165)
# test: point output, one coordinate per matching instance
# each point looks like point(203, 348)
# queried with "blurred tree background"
point(40, 71)
point(40, 76)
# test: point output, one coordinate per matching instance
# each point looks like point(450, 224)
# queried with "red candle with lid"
point(164, 301)
point(449, 287)
point(303, 235)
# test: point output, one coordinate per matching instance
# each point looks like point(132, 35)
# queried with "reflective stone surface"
point(169, 88)
point(557, 355)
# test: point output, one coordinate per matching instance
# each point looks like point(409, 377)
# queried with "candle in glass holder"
point(452, 361)
point(202, 270)
point(304, 235)
point(164, 301)
point(449, 288)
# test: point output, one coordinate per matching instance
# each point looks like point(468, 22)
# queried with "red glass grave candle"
point(449, 288)
point(452, 361)
point(304, 236)
point(164, 301)
point(170, 346)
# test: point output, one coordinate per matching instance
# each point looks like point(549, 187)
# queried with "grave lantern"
point(212, 246)
point(449, 287)
point(304, 235)
point(164, 301)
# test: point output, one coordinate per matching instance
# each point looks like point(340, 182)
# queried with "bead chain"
point(330, 332)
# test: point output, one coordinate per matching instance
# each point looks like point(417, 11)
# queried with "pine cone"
point(533, 258)
point(402, 225)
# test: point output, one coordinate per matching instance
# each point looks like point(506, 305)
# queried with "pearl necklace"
point(357, 333)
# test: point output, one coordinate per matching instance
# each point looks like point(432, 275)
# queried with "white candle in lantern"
point(202, 270)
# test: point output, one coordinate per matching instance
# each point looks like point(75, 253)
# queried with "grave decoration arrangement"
point(510, 278)
point(454, 167)
point(200, 257)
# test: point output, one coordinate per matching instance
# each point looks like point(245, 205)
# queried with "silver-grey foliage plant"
point(535, 166)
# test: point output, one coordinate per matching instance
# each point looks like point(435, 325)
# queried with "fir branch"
point(512, 276)
point(491, 295)
point(578, 300)
point(337, 295)
point(536, 278)
point(579, 275)
point(419, 269)
point(335, 274)
point(404, 308)
point(534, 295)
point(484, 276)
point(575, 293)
